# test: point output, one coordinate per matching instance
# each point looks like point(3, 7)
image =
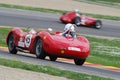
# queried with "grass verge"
point(57, 11)
point(110, 1)
point(50, 70)
point(3, 35)
point(103, 51)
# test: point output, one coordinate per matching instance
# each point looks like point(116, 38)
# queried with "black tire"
point(79, 61)
point(77, 21)
point(11, 46)
point(39, 51)
point(98, 24)
point(53, 58)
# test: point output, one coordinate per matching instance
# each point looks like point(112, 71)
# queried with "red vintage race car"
point(44, 44)
point(79, 19)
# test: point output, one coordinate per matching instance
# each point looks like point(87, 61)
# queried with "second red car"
point(79, 19)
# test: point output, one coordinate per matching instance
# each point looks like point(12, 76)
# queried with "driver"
point(69, 30)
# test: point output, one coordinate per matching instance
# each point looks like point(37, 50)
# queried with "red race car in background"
point(79, 19)
point(44, 44)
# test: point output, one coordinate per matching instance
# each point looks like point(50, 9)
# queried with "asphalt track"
point(21, 18)
point(62, 65)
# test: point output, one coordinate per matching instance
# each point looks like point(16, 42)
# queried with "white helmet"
point(50, 29)
point(76, 10)
point(69, 27)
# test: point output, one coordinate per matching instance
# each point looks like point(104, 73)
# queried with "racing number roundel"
point(28, 40)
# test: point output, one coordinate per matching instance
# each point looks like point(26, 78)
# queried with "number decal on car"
point(28, 40)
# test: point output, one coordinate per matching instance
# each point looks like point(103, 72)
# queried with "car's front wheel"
point(79, 61)
point(11, 45)
point(98, 24)
point(39, 50)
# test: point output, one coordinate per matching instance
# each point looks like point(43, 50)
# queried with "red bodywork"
point(70, 17)
point(56, 45)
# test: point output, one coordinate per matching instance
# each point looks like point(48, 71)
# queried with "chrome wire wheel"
point(11, 43)
point(39, 51)
point(77, 21)
point(38, 47)
point(98, 24)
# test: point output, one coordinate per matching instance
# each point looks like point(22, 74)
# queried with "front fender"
point(13, 31)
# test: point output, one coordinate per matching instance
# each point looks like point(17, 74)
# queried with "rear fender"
point(46, 39)
point(82, 38)
point(85, 41)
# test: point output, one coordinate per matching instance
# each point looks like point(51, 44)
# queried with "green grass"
point(104, 2)
point(31, 8)
point(3, 34)
point(50, 70)
point(103, 51)
point(107, 2)
point(57, 11)
point(104, 17)
point(113, 1)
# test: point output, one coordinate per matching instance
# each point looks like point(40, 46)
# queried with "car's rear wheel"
point(98, 24)
point(11, 45)
point(79, 61)
point(39, 50)
point(77, 21)
point(53, 58)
